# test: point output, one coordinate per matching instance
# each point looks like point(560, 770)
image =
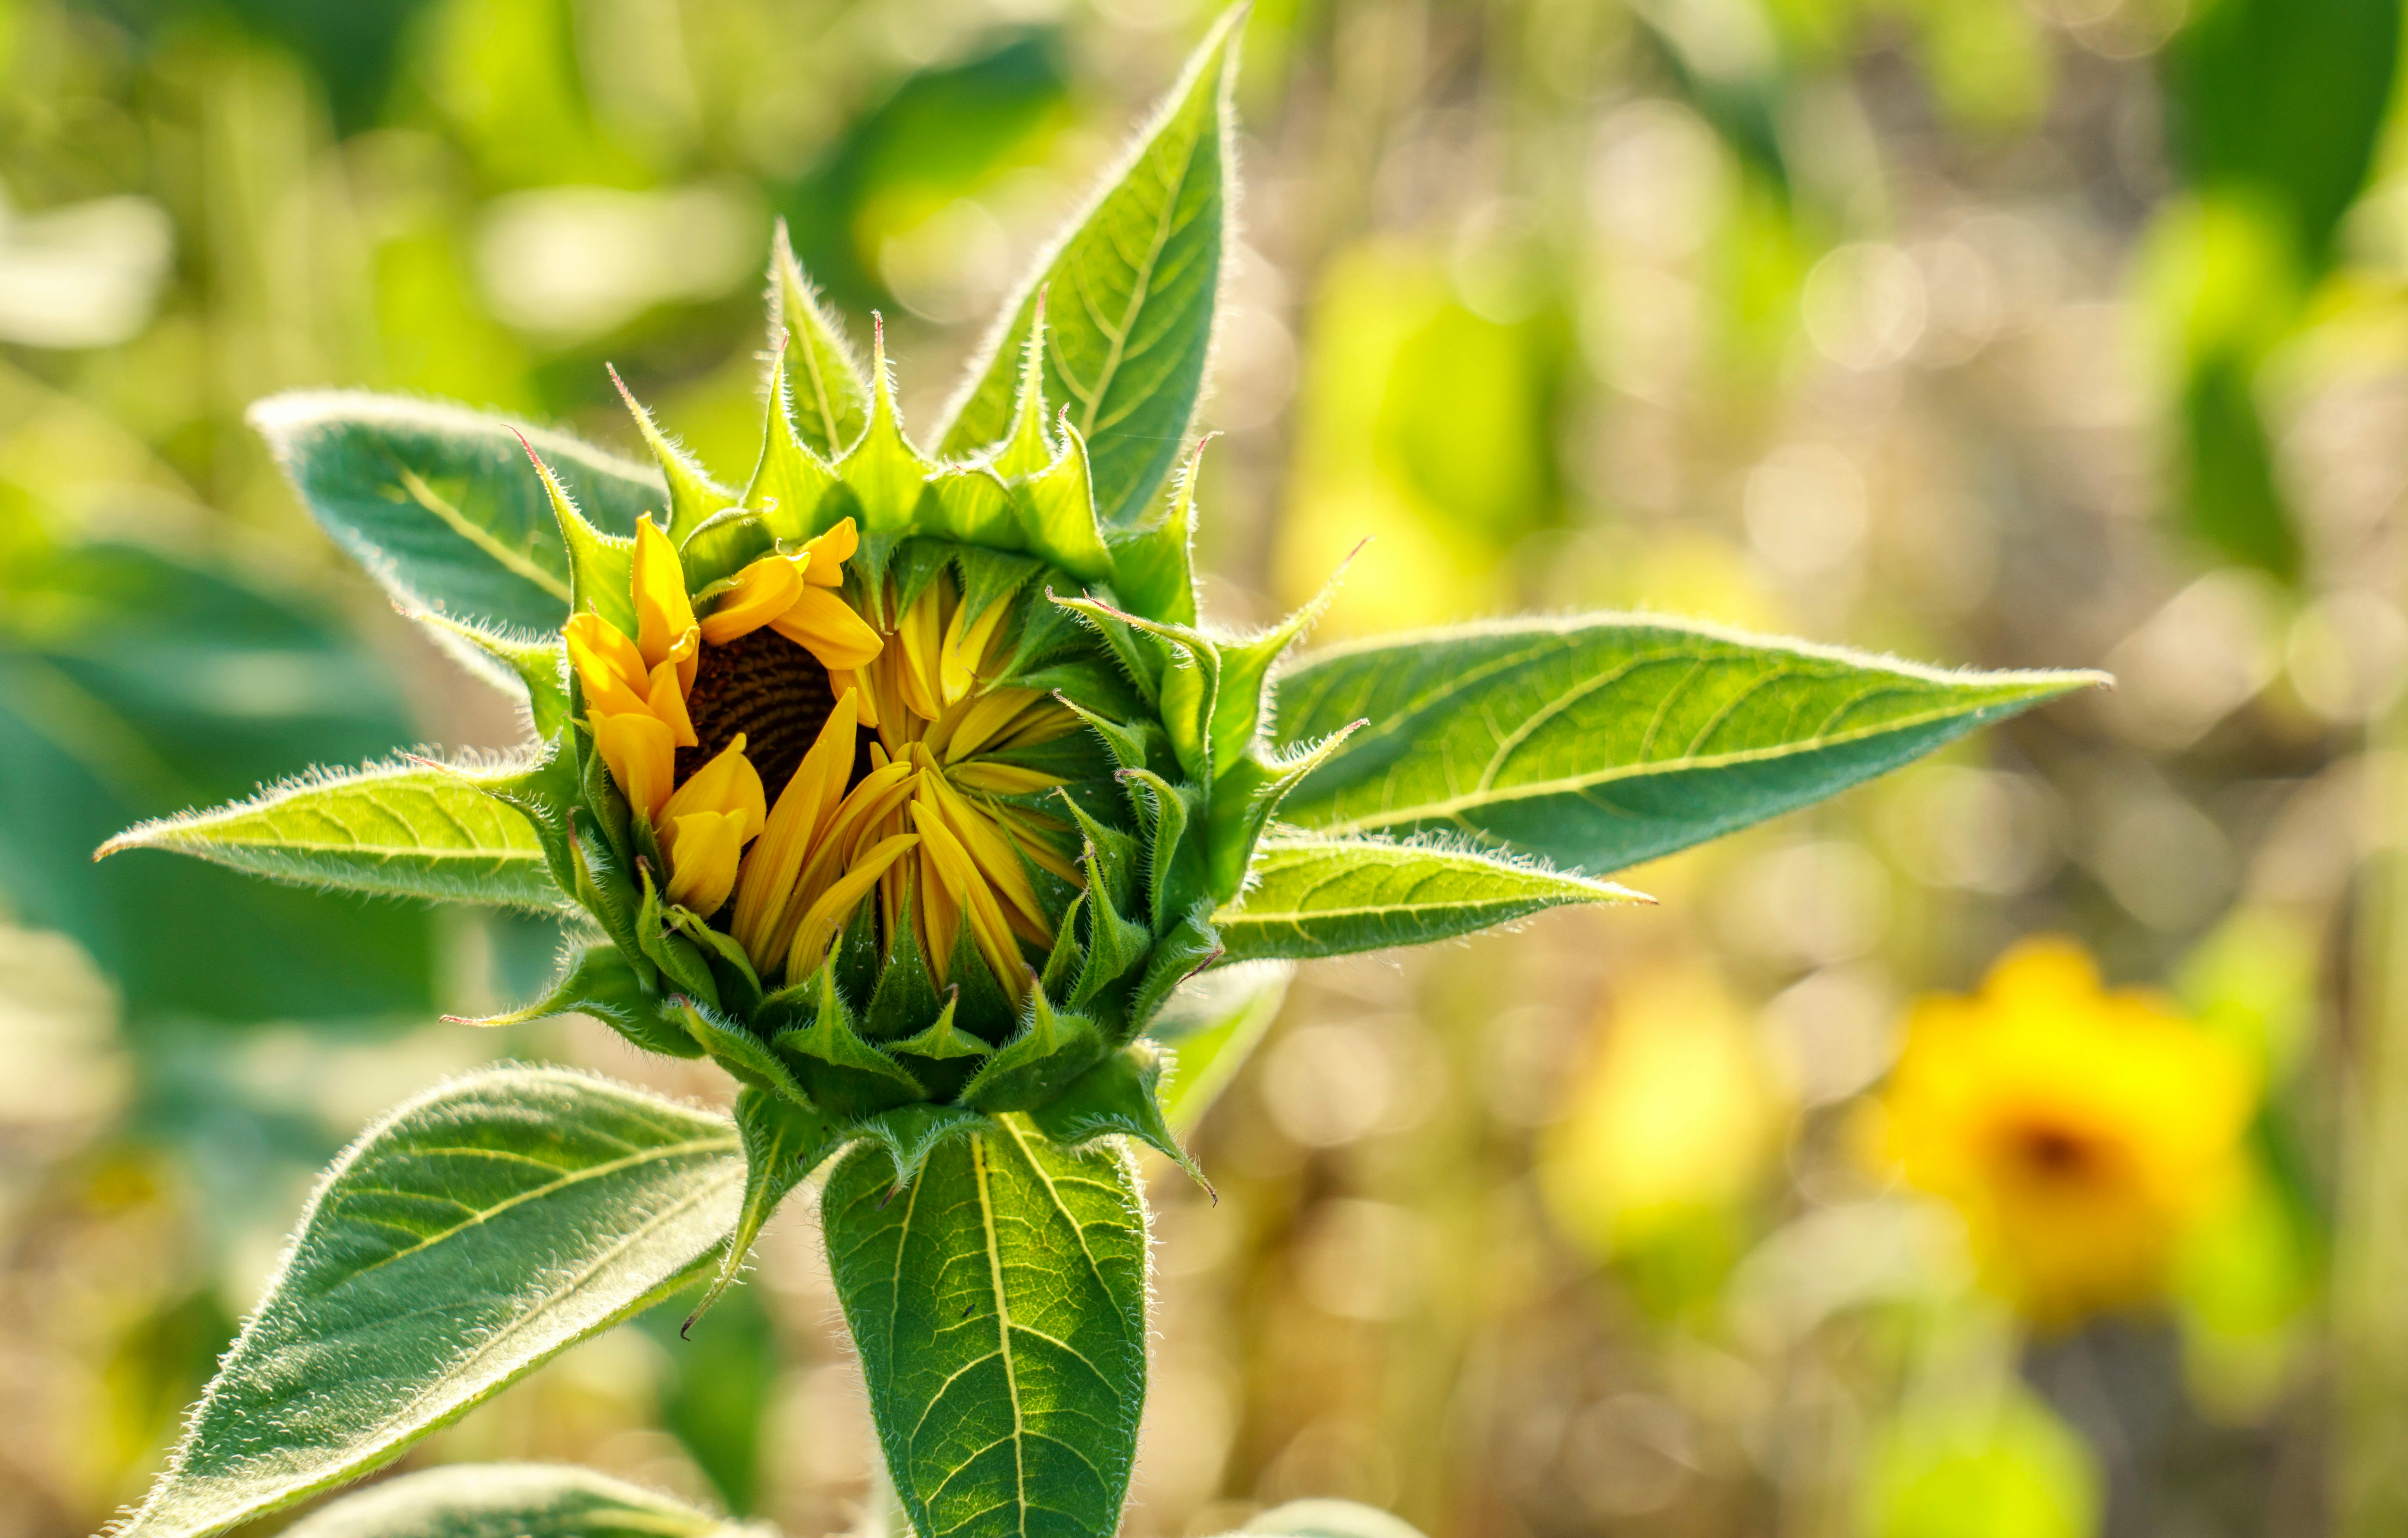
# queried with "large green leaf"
point(510, 1500)
point(132, 684)
point(1334, 897)
point(471, 1235)
point(396, 829)
point(998, 1305)
point(1128, 301)
point(439, 503)
point(1596, 743)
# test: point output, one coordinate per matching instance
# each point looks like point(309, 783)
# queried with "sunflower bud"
point(903, 781)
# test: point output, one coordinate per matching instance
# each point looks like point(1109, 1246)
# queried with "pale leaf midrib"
point(477, 534)
point(1453, 806)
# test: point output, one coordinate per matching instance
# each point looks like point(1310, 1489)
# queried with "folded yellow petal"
point(664, 613)
point(603, 654)
point(728, 782)
point(804, 809)
point(1003, 779)
point(827, 915)
point(828, 552)
point(965, 648)
point(958, 872)
point(763, 591)
point(826, 626)
point(665, 697)
point(702, 848)
point(641, 753)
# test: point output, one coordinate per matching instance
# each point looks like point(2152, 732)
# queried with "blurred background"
point(2045, 333)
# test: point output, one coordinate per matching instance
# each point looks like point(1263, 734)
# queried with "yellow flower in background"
point(2080, 1132)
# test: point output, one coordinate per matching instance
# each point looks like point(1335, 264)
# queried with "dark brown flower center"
point(772, 690)
point(2054, 1154)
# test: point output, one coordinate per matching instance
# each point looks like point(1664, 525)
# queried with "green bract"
point(976, 1084)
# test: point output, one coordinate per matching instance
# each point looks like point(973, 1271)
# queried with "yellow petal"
point(856, 678)
point(971, 727)
point(826, 626)
point(642, 757)
point(603, 654)
point(664, 613)
point(919, 636)
point(827, 915)
point(763, 591)
point(988, 928)
point(803, 811)
point(702, 848)
point(728, 782)
point(966, 646)
point(665, 698)
point(989, 851)
point(828, 554)
point(1003, 779)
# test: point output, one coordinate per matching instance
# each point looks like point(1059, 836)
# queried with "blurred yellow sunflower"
point(792, 757)
point(2080, 1132)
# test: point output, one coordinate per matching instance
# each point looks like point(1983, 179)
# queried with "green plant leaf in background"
point(1212, 1025)
point(510, 1500)
point(999, 1302)
point(1335, 896)
point(133, 684)
point(437, 503)
point(396, 829)
point(2279, 108)
point(1128, 301)
point(474, 1231)
point(1597, 743)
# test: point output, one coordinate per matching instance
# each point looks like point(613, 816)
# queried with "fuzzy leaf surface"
point(439, 504)
point(474, 1233)
point(1597, 743)
point(1128, 299)
point(509, 1501)
point(1335, 896)
point(999, 1302)
point(396, 829)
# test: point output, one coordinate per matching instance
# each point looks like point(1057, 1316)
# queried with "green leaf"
point(831, 394)
point(1129, 300)
point(784, 1142)
point(999, 1302)
point(1212, 1025)
point(474, 1233)
point(408, 830)
point(1335, 896)
point(1597, 743)
point(509, 1501)
point(133, 683)
point(439, 504)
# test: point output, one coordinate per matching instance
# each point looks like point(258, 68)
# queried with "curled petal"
point(728, 784)
point(641, 753)
point(664, 613)
point(763, 591)
point(828, 554)
point(665, 696)
point(702, 848)
point(603, 654)
point(826, 626)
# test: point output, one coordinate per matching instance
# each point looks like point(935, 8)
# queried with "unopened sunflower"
point(892, 782)
point(2080, 1132)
